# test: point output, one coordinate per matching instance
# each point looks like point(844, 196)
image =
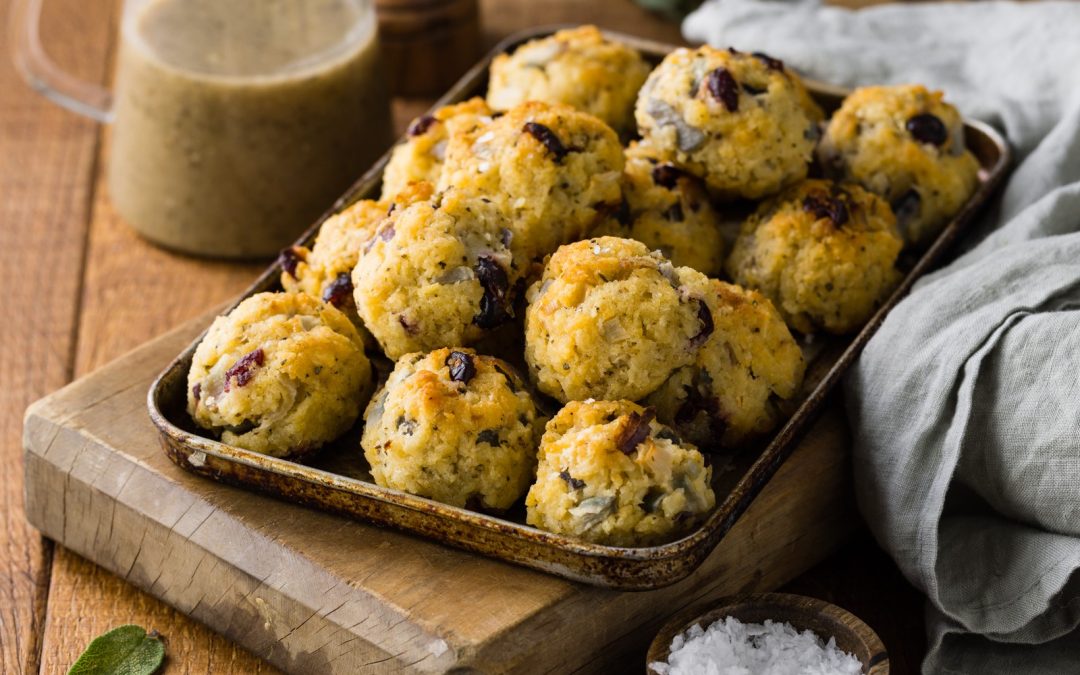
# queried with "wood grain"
point(47, 161)
point(278, 578)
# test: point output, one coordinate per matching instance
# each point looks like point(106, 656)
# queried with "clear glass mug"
point(236, 122)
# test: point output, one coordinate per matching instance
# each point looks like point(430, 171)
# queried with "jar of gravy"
point(237, 122)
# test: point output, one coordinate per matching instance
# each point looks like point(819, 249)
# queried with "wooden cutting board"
point(312, 592)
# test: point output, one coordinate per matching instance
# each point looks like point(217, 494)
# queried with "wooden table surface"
point(80, 288)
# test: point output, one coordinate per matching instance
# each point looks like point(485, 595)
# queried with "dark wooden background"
point(79, 288)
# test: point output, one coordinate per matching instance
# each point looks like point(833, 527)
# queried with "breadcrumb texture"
point(420, 156)
point(454, 426)
point(281, 374)
point(822, 274)
point(608, 320)
point(868, 141)
point(420, 283)
point(735, 389)
point(743, 123)
point(610, 474)
point(553, 172)
point(668, 210)
point(577, 67)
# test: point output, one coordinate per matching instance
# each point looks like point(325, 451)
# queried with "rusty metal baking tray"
point(338, 479)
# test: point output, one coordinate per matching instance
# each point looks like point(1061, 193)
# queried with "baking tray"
point(338, 480)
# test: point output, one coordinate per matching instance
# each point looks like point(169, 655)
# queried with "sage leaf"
point(127, 650)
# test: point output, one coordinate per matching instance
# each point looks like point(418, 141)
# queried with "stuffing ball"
point(748, 368)
point(668, 211)
point(742, 122)
point(577, 67)
point(325, 270)
point(420, 157)
point(824, 253)
point(437, 273)
point(453, 426)
point(905, 144)
point(550, 170)
point(610, 474)
point(281, 374)
point(609, 320)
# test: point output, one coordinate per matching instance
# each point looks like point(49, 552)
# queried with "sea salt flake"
point(730, 647)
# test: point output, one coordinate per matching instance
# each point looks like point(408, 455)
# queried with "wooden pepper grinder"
point(427, 44)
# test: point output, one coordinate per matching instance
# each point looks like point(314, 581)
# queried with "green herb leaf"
point(127, 650)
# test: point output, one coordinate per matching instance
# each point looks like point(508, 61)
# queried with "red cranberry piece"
point(907, 207)
point(243, 370)
point(667, 175)
point(462, 368)
point(927, 128)
point(574, 483)
point(634, 431)
point(410, 328)
point(420, 125)
point(770, 62)
point(496, 284)
point(339, 292)
point(724, 88)
point(548, 138)
point(707, 326)
point(196, 391)
point(289, 258)
point(825, 206)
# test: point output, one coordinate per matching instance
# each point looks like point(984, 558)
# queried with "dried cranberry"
point(289, 259)
point(339, 292)
point(634, 431)
point(826, 206)
point(243, 370)
point(548, 138)
point(770, 62)
point(707, 326)
point(667, 175)
point(421, 125)
point(387, 233)
point(196, 390)
point(927, 128)
point(409, 327)
point(462, 368)
point(724, 88)
point(574, 483)
point(492, 277)
point(907, 206)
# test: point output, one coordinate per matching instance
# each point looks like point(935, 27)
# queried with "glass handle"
point(85, 98)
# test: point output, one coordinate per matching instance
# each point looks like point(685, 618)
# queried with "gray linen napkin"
point(966, 404)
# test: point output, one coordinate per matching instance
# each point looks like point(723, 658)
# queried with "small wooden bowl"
point(827, 620)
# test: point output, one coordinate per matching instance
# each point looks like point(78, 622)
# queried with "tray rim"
point(692, 548)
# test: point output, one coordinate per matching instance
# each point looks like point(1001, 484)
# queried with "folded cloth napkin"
point(966, 404)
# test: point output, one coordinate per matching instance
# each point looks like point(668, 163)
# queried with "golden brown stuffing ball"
point(281, 374)
point(577, 67)
point(552, 171)
point(668, 211)
point(438, 273)
point(609, 473)
point(609, 320)
point(420, 157)
point(747, 368)
point(453, 426)
point(907, 145)
point(824, 253)
point(742, 122)
point(325, 270)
